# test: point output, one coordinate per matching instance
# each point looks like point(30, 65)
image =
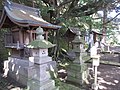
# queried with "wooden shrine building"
point(27, 65)
point(91, 38)
point(22, 21)
point(70, 34)
point(96, 34)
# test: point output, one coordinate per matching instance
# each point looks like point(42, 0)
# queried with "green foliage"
point(3, 50)
point(65, 86)
point(69, 13)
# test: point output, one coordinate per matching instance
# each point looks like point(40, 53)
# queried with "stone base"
point(19, 78)
point(35, 75)
point(35, 85)
point(17, 69)
point(77, 73)
point(68, 86)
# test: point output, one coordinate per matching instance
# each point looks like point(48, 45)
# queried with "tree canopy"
point(72, 13)
point(60, 10)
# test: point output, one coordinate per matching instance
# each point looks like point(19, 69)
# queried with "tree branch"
point(64, 3)
point(112, 19)
point(85, 10)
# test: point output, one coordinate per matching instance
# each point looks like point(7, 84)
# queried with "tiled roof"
point(26, 16)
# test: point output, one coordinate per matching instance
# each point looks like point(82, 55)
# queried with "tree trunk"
point(104, 21)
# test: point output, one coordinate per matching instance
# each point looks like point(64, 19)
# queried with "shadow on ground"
point(109, 77)
point(10, 84)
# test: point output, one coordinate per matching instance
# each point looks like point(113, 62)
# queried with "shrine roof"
point(73, 30)
point(24, 16)
point(97, 31)
point(70, 33)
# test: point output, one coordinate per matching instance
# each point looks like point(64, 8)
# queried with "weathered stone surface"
point(74, 80)
point(21, 71)
point(35, 71)
point(19, 78)
point(18, 69)
point(35, 85)
point(41, 72)
point(22, 62)
point(77, 67)
point(77, 71)
point(66, 86)
point(39, 77)
point(42, 60)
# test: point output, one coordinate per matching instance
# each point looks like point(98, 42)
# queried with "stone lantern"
point(40, 78)
point(77, 71)
point(40, 46)
point(78, 48)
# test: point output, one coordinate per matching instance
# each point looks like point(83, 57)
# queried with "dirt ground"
point(108, 77)
point(7, 83)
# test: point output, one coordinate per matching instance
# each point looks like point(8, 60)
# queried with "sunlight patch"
point(102, 87)
point(98, 73)
point(103, 81)
point(116, 81)
point(23, 11)
point(118, 67)
point(13, 67)
point(100, 78)
point(38, 18)
point(107, 76)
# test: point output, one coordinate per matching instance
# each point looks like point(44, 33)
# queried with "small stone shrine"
point(77, 71)
point(40, 78)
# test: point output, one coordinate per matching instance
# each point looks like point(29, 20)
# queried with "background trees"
point(73, 13)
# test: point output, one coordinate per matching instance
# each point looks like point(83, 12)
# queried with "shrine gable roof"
point(24, 16)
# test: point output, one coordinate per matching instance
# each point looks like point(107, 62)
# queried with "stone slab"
point(77, 73)
point(35, 85)
point(74, 80)
point(21, 71)
point(42, 60)
point(40, 72)
point(19, 78)
point(77, 67)
point(18, 69)
point(22, 62)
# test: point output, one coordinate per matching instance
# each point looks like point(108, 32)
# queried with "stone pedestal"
point(33, 72)
point(34, 85)
point(40, 78)
point(77, 73)
point(17, 69)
